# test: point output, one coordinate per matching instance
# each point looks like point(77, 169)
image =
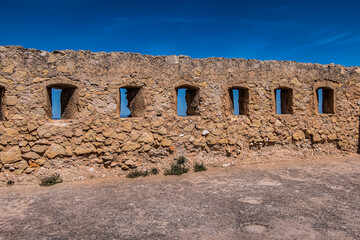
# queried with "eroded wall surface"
point(94, 130)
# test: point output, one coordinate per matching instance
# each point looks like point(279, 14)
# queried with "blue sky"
point(181, 102)
point(305, 31)
point(55, 101)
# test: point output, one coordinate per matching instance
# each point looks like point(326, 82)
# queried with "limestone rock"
point(146, 147)
point(109, 133)
point(55, 150)
point(127, 127)
point(199, 142)
point(39, 149)
point(11, 100)
point(85, 148)
point(89, 136)
point(172, 59)
point(11, 132)
point(9, 69)
point(62, 69)
point(42, 142)
point(205, 132)
point(316, 138)
point(211, 140)
point(32, 126)
point(223, 141)
point(30, 156)
point(38, 79)
point(217, 132)
point(11, 156)
point(130, 163)
point(23, 143)
point(332, 137)
point(278, 123)
point(130, 146)
point(146, 138)
point(79, 132)
point(29, 170)
point(299, 135)
point(162, 131)
point(40, 161)
point(157, 122)
point(21, 165)
point(45, 131)
point(166, 142)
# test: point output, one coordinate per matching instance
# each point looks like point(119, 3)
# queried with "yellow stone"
point(9, 69)
point(63, 69)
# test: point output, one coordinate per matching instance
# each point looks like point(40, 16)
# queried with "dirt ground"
point(317, 199)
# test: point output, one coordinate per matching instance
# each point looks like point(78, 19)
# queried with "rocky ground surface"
point(317, 199)
point(76, 169)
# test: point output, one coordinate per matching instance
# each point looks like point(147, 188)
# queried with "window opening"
point(187, 101)
point(131, 102)
point(56, 103)
point(62, 102)
point(283, 99)
point(325, 100)
point(240, 101)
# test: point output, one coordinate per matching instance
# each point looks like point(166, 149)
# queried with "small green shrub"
point(134, 174)
point(145, 173)
point(10, 183)
point(137, 173)
point(177, 168)
point(198, 167)
point(181, 160)
point(154, 171)
point(51, 180)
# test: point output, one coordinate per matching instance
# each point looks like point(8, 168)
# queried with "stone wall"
point(94, 134)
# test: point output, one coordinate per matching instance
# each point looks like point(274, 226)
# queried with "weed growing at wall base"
point(199, 167)
point(154, 171)
point(177, 168)
point(137, 173)
point(51, 180)
point(10, 183)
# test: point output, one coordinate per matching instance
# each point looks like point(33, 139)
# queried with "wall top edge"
point(171, 59)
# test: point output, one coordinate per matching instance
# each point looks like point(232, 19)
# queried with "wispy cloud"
point(350, 40)
point(329, 40)
point(335, 39)
point(255, 23)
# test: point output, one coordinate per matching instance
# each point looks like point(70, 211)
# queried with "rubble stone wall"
point(93, 132)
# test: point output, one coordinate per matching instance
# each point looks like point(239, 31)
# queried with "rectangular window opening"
point(131, 102)
point(62, 102)
point(325, 100)
point(240, 101)
point(283, 100)
point(187, 101)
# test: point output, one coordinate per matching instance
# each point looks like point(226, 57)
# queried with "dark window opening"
point(240, 101)
point(283, 100)
point(131, 102)
point(2, 104)
point(62, 101)
point(188, 100)
point(325, 100)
